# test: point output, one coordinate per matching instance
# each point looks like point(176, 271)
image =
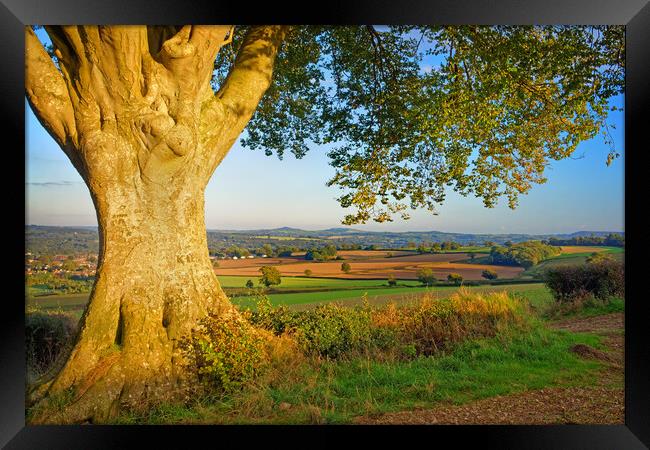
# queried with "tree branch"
point(48, 95)
point(251, 75)
point(189, 54)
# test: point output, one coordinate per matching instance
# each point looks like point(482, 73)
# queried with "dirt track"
point(599, 404)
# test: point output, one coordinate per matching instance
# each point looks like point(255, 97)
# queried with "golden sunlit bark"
point(133, 108)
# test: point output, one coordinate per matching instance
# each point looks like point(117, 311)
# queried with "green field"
point(73, 303)
point(347, 295)
point(332, 285)
point(609, 250)
point(569, 259)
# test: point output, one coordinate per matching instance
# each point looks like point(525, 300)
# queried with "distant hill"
point(78, 239)
point(592, 233)
point(412, 235)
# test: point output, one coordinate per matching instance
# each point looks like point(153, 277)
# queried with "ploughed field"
point(369, 265)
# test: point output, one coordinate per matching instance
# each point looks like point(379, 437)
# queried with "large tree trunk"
point(133, 109)
point(154, 282)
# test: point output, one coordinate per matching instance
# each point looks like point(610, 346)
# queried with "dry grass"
point(436, 325)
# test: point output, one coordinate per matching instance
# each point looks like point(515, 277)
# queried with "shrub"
point(576, 283)
point(345, 267)
point(225, 352)
point(599, 257)
point(276, 319)
point(47, 334)
point(249, 284)
point(392, 281)
point(332, 330)
point(455, 278)
point(489, 274)
point(308, 272)
point(329, 331)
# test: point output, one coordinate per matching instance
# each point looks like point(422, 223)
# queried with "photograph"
point(325, 224)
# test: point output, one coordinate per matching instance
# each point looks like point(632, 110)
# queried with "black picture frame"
point(635, 14)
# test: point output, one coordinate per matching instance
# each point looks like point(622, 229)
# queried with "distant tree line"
point(434, 247)
point(266, 249)
point(611, 240)
point(60, 240)
point(317, 250)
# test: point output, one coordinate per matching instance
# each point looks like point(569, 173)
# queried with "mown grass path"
point(601, 403)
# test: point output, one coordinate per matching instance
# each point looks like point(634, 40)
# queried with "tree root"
point(106, 391)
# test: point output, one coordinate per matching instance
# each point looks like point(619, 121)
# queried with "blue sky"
point(250, 190)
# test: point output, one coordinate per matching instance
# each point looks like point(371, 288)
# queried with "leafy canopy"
point(408, 111)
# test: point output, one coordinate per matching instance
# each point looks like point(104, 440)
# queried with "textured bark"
point(133, 109)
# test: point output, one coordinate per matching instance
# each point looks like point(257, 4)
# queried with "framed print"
point(365, 216)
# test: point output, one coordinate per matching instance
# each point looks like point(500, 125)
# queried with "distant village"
point(85, 265)
point(237, 257)
point(62, 265)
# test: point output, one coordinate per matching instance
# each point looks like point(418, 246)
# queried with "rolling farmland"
point(369, 265)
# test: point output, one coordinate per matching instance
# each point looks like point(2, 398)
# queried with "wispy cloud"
point(53, 183)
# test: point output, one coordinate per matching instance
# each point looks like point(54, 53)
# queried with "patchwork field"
point(367, 278)
point(369, 265)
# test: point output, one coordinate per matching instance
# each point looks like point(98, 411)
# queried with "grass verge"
point(337, 391)
point(305, 387)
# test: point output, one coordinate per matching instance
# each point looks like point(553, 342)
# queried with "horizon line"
point(364, 231)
